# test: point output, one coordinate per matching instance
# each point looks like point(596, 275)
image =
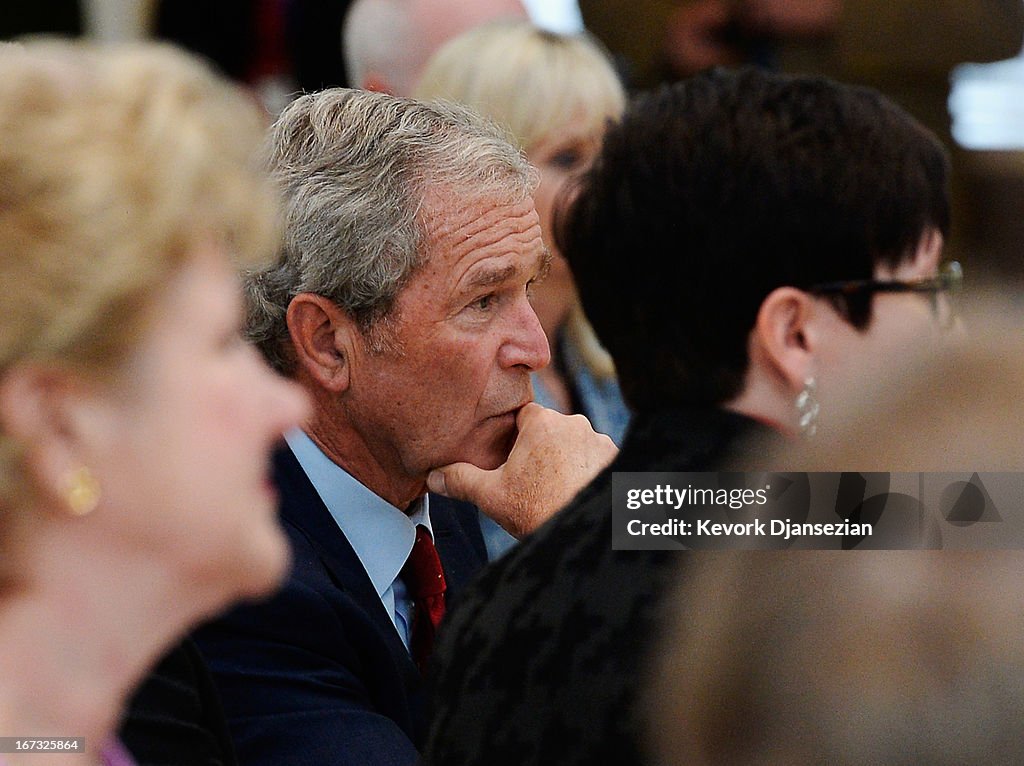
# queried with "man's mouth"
point(512, 412)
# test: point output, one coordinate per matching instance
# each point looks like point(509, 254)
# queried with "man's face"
point(464, 340)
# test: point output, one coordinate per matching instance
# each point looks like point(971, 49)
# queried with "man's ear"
point(323, 338)
point(52, 416)
point(785, 335)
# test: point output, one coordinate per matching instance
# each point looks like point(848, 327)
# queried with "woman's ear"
point(323, 338)
point(785, 335)
point(51, 413)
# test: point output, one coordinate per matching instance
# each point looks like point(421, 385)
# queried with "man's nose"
point(526, 344)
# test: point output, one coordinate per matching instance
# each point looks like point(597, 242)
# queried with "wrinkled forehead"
point(459, 231)
point(449, 214)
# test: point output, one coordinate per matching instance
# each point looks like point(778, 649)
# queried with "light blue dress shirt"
point(381, 535)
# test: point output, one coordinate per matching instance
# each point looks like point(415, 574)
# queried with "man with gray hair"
point(387, 43)
point(401, 303)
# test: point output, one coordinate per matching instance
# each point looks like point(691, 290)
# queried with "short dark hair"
point(712, 192)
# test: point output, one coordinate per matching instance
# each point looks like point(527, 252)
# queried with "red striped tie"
point(424, 579)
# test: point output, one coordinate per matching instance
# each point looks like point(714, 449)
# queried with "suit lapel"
point(302, 507)
point(456, 535)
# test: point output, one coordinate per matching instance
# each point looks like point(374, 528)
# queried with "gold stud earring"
point(83, 493)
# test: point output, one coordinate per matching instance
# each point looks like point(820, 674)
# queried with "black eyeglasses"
point(948, 282)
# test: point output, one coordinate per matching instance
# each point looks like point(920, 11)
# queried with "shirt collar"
point(381, 535)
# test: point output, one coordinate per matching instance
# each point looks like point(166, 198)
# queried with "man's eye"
point(484, 303)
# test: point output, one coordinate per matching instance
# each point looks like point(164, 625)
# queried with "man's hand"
point(554, 457)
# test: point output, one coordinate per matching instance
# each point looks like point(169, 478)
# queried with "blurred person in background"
point(744, 244)
point(849, 659)
point(658, 40)
point(555, 94)
point(135, 424)
point(387, 43)
point(708, 33)
point(277, 47)
point(907, 50)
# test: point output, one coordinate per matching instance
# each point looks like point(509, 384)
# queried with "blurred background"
point(955, 64)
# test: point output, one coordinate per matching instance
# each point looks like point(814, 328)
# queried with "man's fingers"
point(554, 456)
point(527, 413)
point(536, 423)
point(461, 481)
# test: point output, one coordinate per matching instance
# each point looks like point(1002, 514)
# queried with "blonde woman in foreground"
point(135, 424)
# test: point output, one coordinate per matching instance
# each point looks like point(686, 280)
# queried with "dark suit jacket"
point(318, 674)
point(175, 717)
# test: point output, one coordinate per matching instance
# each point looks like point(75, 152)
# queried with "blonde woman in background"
point(554, 94)
point(135, 424)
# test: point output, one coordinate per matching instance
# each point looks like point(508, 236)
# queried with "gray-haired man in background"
point(387, 42)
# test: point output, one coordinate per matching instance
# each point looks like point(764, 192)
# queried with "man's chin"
point(494, 452)
point(503, 443)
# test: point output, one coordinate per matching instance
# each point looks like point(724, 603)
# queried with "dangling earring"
point(83, 492)
point(807, 407)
